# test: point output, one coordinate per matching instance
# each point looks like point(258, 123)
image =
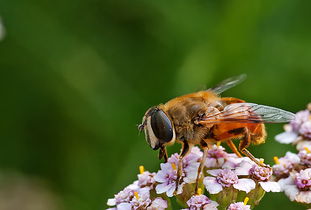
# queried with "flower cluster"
point(298, 131)
point(138, 195)
point(293, 171)
point(226, 178)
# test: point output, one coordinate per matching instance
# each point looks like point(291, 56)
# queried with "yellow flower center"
point(246, 200)
point(307, 149)
point(136, 195)
point(276, 160)
point(141, 169)
point(174, 166)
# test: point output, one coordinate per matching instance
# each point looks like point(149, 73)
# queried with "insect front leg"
point(184, 151)
point(244, 144)
point(163, 154)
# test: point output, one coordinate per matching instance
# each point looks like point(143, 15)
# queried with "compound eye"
point(161, 126)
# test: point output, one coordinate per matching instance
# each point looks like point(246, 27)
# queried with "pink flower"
point(285, 165)
point(300, 125)
point(197, 202)
point(239, 206)
point(305, 158)
point(123, 196)
point(132, 197)
point(297, 186)
point(146, 179)
point(141, 199)
point(216, 157)
point(224, 178)
point(303, 179)
point(167, 177)
point(300, 118)
point(305, 130)
point(259, 174)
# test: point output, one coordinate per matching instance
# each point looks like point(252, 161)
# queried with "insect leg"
point(184, 151)
point(244, 144)
point(233, 148)
point(163, 154)
point(205, 151)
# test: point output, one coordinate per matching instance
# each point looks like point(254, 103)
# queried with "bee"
point(204, 118)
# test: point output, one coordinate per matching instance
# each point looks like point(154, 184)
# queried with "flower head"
point(167, 178)
point(141, 199)
point(197, 202)
point(260, 173)
point(305, 130)
point(146, 179)
point(303, 179)
point(300, 118)
point(285, 165)
point(305, 157)
point(224, 178)
point(298, 186)
point(239, 206)
point(216, 157)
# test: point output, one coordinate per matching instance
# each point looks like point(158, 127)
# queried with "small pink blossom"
point(146, 179)
point(216, 157)
point(300, 118)
point(285, 165)
point(224, 178)
point(305, 158)
point(297, 186)
point(197, 202)
point(305, 130)
point(259, 174)
point(239, 206)
point(166, 178)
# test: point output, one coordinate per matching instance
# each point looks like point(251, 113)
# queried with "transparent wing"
point(228, 83)
point(249, 113)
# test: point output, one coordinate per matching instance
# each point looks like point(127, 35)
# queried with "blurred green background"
point(77, 77)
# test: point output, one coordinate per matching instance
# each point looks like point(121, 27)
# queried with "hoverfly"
point(204, 118)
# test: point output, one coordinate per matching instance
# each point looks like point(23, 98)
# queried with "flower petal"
point(291, 191)
point(286, 137)
point(270, 186)
point(211, 185)
point(170, 191)
point(124, 206)
point(214, 172)
point(304, 197)
point(111, 202)
point(245, 185)
point(211, 206)
point(243, 168)
point(161, 188)
point(286, 182)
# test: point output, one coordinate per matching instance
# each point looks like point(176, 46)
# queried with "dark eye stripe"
point(161, 126)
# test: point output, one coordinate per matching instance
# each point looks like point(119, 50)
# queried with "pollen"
point(199, 191)
point(174, 166)
point(246, 200)
point(136, 195)
point(141, 169)
point(307, 149)
point(276, 160)
point(218, 143)
point(261, 161)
